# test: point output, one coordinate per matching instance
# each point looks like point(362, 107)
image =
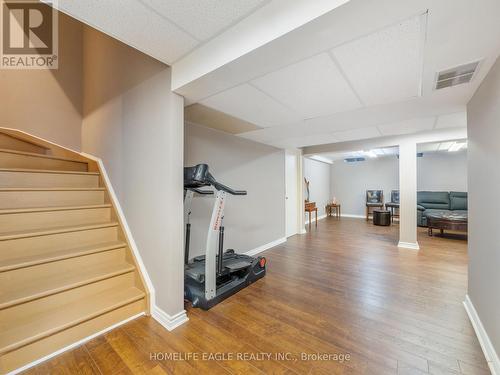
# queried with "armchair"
point(374, 199)
point(393, 205)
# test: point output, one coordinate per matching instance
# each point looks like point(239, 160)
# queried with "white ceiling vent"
point(456, 76)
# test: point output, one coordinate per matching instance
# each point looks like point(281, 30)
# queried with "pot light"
point(371, 154)
point(457, 146)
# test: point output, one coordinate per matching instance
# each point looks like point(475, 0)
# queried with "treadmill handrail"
point(227, 189)
point(202, 192)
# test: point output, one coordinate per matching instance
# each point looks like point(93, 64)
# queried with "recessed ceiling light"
point(456, 146)
point(371, 154)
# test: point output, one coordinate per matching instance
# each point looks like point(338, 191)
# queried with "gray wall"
point(351, 180)
point(135, 124)
point(446, 171)
point(435, 171)
point(250, 221)
point(318, 173)
point(483, 119)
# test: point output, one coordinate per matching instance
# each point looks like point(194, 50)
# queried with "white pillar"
point(300, 191)
point(408, 195)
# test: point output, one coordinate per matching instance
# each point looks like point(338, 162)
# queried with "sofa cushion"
point(434, 199)
point(458, 200)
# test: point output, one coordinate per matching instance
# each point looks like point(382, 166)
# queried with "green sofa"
point(432, 201)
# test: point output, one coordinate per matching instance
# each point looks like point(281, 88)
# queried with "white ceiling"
point(363, 70)
point(431, 147)
point(164, 29)
point(310, 73)
point(263, 111)
point(386, 65)
point(312, 87)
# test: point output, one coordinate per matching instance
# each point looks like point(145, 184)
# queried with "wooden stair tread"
point(43, 156)
point(59, 282)
point(55, 208)
point(55, 189)
point(49, 171)
point(33, 260)
point(56, 230)
point(59, 318)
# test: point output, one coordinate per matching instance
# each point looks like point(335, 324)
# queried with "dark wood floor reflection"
point(343, 289)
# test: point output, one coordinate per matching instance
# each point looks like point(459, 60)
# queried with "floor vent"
point(456, 76)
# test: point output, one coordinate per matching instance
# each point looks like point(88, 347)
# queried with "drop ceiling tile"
point(407, 127)
point(385, 66)
point(453, 120)
point(306, 140)
point(126, 22)
point(249, 104)
point(204, 18)
point(313, 87)
point(354, 134)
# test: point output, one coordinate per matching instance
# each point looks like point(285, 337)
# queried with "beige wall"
point(483, 128)
point(111, 101)
point(48, 103)
point(250, 221)
point(135, 124)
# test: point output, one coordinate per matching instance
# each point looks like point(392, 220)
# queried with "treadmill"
point(217, 275)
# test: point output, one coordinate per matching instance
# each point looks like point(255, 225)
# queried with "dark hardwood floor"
point(344, 289)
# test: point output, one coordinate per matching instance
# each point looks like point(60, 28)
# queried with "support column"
point(408, 195)
point(300, 191)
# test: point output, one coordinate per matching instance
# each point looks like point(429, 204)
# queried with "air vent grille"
point(353, 160)
point(456, 76)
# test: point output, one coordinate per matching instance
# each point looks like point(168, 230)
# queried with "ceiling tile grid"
point(408, 126)
point(250, 104)
point(313, 87)
point(204, 19)
point(387, 65)
point(453, 120)
point(363, 133)
point(127, 24)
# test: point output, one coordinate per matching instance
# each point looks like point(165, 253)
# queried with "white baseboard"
point(267, 246)
point(409, 245)
point(169, 321)
point(354, 216)
point(74, 345)
point(321, 217)
point(484, 340)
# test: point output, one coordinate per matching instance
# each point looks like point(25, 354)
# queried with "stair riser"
point(29, 199)
point(12, 160)
point(10, 281)
point(39, 220)
point(20, 357)
point(32, 246)
point(46, 180)
point(42, 305)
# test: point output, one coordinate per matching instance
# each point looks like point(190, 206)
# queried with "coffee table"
point(446, 220)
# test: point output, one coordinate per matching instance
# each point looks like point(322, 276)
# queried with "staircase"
point(66, 269)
